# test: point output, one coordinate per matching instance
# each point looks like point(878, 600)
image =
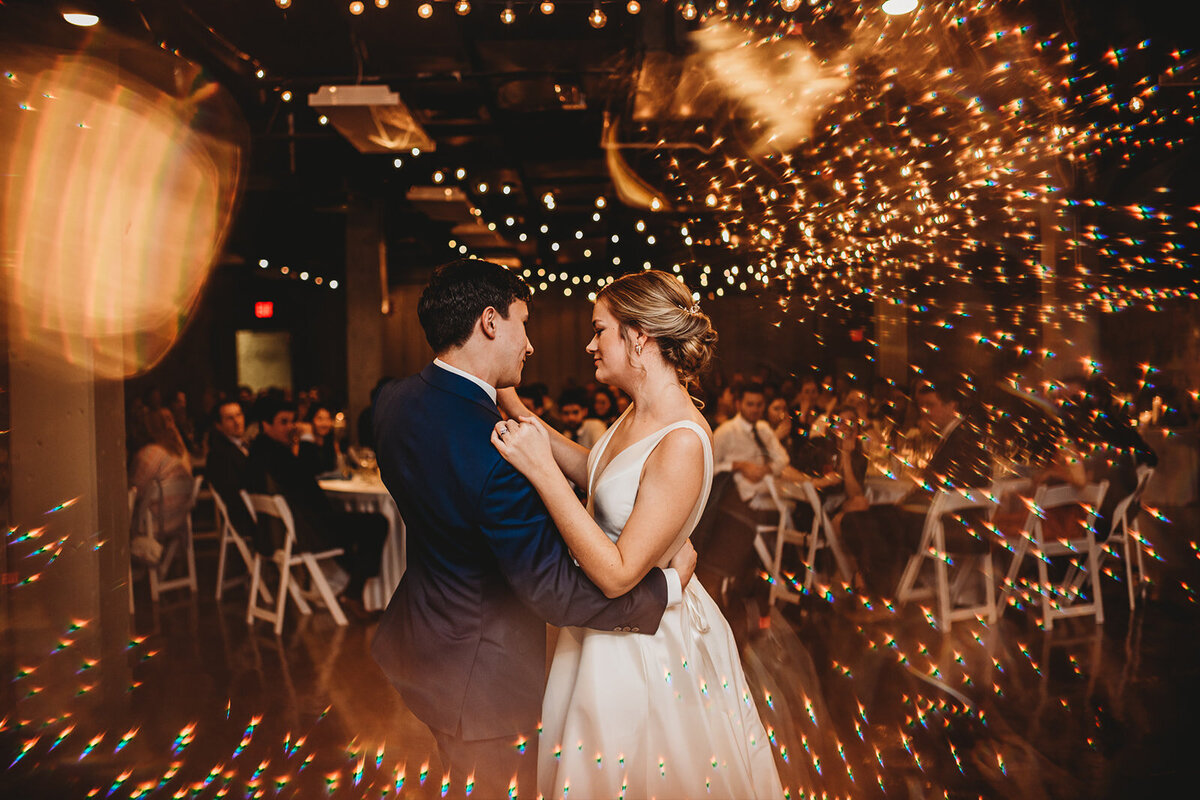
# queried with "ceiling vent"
point(373, 118)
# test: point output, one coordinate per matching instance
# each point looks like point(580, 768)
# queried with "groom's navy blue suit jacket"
point(464, 638)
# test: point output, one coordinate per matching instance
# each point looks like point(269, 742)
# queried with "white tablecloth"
point(368, 495)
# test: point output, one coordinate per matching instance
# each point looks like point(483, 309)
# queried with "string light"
point(356, 7)
point(597, 18)
point(789, 5)
point(633, 7)
point(508, 16)
point(547, 7)
point(462, 7)
point(689, 11)
point(425, 10)
point(896, 7)
point(285, 4)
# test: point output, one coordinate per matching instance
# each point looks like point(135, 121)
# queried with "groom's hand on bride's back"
point(684, 562)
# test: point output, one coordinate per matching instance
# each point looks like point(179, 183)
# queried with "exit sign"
point(264, 309)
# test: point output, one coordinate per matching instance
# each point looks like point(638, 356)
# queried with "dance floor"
point(863, 705)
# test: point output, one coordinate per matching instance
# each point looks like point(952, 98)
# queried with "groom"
point(464, 638)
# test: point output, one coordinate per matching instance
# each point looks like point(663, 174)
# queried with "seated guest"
point(604, 406)
point(779, 417)
point(162, 473)
point(318, 449)
point(534, 398)
point(227, 469)
point(886, 535)
point(576, 426)
point(747, 447)
point(275, 469)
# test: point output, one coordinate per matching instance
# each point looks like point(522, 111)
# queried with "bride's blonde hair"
point(661, 306)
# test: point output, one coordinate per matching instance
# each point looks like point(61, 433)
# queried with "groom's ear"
point(487, 322)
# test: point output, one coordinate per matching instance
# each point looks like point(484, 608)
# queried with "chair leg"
point(1044, 585)
point(943, 584)
point(191, 558)
point(285, 585)
point(1128, 564)
point(248, 557)
point(318, 579)
point(129, 583)
point(255, 578)
point(1094, 568)
point(814, 544)
point(223, 548)
point(153, 571)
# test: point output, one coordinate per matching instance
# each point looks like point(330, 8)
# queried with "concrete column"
point(365, 311)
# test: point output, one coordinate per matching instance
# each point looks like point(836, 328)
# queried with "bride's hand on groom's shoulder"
point(525, 443)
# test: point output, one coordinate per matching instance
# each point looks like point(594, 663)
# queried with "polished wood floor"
point(863, 705)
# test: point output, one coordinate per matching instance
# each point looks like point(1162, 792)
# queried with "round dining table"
point(365, 493)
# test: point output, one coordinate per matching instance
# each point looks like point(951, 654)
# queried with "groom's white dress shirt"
point(674, 587)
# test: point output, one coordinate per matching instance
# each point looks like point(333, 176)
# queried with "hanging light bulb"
point(381, 3)
point(597, 18)
point(547, 7)
point(425, 10)
point(462, 7)
point(789, 5)
point(689, 11)
point(633, 7)
point(721, 5)
point(356, 7)
point(895, 7)
point(508, 16)
point(284, 3)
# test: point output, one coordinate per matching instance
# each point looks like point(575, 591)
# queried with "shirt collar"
point(745, 423)
point(482, 384)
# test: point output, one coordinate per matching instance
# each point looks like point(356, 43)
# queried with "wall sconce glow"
point(82, 20)
point(895, 7)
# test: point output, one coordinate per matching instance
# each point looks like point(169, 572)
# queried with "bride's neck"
point(655, 393)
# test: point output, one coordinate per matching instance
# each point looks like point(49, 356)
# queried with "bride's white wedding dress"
point(627, 715)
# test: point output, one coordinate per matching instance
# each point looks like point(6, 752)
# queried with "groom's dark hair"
point(458, 293)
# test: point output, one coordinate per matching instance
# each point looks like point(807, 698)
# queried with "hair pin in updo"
point(694, 309)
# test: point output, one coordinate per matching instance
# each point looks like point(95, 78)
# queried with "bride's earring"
point(637, 348)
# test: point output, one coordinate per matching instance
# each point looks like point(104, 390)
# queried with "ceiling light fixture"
point(895, 7)
point(597, 18)
point(81, 19)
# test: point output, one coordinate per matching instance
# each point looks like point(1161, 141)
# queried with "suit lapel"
point(456, 384)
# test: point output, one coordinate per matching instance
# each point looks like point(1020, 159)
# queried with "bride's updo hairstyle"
point(659, 305)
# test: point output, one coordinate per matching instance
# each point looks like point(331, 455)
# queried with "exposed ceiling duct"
point(373, 118)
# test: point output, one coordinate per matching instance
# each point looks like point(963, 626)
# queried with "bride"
point(668, 715)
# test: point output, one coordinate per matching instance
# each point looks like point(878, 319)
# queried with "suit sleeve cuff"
point(674, 587)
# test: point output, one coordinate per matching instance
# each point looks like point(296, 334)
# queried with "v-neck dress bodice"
point(612, 491)
point(633, 715)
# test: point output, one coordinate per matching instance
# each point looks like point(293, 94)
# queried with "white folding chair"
point(933, 546)
point(158, 583)
point(1125, 528)
point(229, 536)
point(276, 506)
point(1047, 498)
point(820, 535)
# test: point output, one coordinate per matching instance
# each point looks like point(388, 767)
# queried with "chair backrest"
point(1134, 499)
point(197, 482)
point(1047, 497)
point(954, 501)
point(273, 505)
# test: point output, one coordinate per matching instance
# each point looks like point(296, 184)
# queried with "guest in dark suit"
point(464, 637)
point(274, 468)
point(884, 536)
point(227, 470)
